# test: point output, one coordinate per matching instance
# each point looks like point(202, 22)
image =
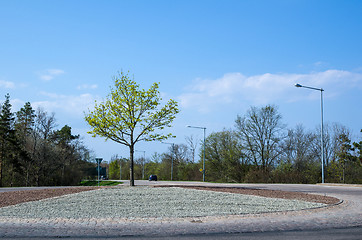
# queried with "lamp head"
point(298, 85)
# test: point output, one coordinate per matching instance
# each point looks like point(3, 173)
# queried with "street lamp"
point(322, 142)
point(173, 150)
point(143, 163)
point(99, 160)
point(203, 164)
point(120, 169)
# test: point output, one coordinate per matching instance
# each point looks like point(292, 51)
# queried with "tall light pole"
point(173, 150)
point(120, 169)
point(143, 163)
point(99, 160)
point(203, 164)
point(322, 137)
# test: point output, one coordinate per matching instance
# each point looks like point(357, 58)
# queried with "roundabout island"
point(185, 210)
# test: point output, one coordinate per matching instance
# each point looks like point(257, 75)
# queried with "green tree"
point(64, 136)
point(354, 168)
point(114, 168)
point(153, 166)
point(344, 154)
point(358, 148)
point(131, 114)
point(25, 119)
point(67, 151)
point(224, 159)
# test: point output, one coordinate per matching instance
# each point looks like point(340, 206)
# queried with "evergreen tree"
point(358, 148)
point(344, 154)
point(7, 136)
point(25, 119)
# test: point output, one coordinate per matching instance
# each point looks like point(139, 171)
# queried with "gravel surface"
point(147, 202)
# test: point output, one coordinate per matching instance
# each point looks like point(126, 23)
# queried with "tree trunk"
point(131, 172)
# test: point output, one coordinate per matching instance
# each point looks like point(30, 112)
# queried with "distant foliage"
point(34, 153)
point(262, 150)
point(259, 149)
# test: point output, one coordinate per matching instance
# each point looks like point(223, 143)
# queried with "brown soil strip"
point(15, 197)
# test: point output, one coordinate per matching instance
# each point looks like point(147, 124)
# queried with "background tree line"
point(34, 153)
point(260, 148)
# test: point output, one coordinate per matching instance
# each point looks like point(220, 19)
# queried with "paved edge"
point(339, 185)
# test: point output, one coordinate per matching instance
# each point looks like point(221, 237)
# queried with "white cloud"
point(87, 86)
point(50, 74)
point(16, 104)
point(64, 104)
point(236, 88)
point(6, 84)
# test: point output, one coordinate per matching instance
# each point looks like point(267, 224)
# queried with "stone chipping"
point(147, 202)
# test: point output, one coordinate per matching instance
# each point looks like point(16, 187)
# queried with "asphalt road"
point(308, 188)
point(354, 233)
point(324, 234)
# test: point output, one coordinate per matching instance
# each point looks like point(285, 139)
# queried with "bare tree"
point(298, 146)
point(44, 126)
point(260, 132)
point(192, 144)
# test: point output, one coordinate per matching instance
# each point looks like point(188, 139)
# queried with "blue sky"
point(216, 58)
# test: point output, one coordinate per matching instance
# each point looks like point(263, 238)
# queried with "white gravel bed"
point(147, 202)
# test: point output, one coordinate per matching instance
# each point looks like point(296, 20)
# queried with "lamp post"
point(203, 164)
point(120, 169)
point(143, 164)
point(99, 160)
point(173, 150)
point(322, 137)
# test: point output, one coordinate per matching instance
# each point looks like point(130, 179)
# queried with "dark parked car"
point(153, 178)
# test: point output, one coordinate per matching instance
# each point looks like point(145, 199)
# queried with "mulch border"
point(21, 196)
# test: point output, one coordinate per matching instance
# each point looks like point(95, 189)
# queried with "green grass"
point(101, 183)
